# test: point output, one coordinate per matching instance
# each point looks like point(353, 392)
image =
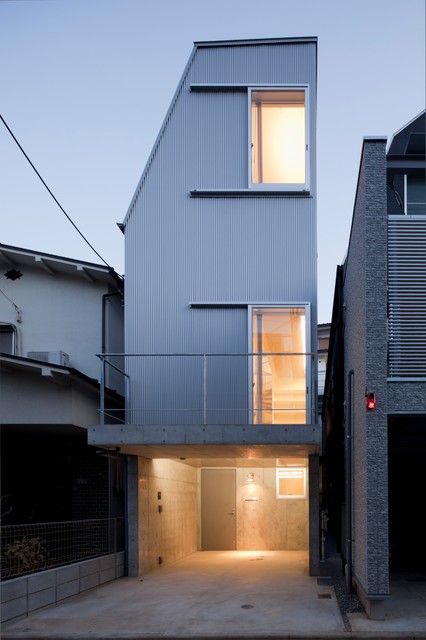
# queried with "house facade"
point(221, 428)
point(56, 314)
point(375, 396)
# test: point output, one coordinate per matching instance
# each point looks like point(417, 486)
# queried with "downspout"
point(348, 474)
point(104, 336)
point(103, 383)
point(104, 299)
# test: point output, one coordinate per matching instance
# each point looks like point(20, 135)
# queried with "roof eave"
point(255, 42)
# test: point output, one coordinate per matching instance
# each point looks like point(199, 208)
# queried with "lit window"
point(279, 139)
point(279, 368)
point(291, 482)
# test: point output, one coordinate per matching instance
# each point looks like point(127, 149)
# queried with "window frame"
point(308, 347)
point(9, 328)
point(291, 496)
point(280, 187)
point(407, 202)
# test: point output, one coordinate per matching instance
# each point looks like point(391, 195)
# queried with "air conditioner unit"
point(52, 357)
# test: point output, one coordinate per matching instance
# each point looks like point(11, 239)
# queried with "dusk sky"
point(85, 86)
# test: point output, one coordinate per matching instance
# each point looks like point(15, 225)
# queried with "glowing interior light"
point(291, 473)
point(291, 482)
point(278, 137)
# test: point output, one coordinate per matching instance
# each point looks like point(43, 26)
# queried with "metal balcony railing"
point(213, 388)
point(33, 547)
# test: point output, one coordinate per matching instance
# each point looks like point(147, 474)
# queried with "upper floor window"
point(415, 195)
point(279, 139)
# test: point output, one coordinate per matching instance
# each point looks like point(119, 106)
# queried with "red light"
point(371, 400)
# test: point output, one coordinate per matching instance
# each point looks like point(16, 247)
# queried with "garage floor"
point(244, 594)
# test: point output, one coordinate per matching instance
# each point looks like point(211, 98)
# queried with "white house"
point(56, 314)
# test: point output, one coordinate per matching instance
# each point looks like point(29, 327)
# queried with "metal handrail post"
point(126, 396)
point(205, 387)
point(102, 398)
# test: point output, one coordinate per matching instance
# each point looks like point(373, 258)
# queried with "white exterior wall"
point(59, 313)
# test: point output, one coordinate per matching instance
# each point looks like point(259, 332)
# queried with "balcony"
point(204, 401)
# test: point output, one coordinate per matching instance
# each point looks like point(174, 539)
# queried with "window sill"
point(247, 193)
point(406, 379)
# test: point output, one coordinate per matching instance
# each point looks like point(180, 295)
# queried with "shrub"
point(25, 555)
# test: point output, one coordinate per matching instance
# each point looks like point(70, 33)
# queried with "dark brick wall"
point(376, 369)
point(365, 298)
point(47, 476)
point(406, 396)
point(90, 488)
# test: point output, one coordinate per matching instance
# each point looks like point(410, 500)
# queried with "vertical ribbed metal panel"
point(407, 296)
point(181, 249)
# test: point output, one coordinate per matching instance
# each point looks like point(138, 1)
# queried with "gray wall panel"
point(262, 63)
point(181, 249)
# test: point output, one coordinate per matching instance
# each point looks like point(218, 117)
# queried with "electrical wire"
point(15, 306)
point(50, 192)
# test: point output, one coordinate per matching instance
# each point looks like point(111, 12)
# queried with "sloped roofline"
point(405, 127)
point(32, 364)
point(366, 140)
point(88, 266)
point(157, 140)
point(200, 45)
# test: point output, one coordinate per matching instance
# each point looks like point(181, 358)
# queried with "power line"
point(55, 199)
point(11, 301)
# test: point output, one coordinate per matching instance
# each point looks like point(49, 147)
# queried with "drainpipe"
point(104, 373)
point(348, 473)
point(104, 335)
point(104, 299)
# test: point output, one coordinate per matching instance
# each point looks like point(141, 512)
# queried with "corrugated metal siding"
point(407, 296)
point(263, 63)
point(181, 249)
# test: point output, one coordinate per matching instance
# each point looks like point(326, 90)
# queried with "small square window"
point(291, 482)
point(279, 139)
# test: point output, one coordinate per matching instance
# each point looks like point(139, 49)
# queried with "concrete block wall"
point(26, 594)
point(164, 526)
point(164, 516)
point(268, 522)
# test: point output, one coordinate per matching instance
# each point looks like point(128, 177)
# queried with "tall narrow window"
point(279, 371)
point(279, 138)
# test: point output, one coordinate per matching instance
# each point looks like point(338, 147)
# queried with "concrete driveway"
point(224, 594)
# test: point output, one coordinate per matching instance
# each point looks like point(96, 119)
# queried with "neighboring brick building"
point(378, 355)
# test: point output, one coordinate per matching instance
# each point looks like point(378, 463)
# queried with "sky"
point(85, 86)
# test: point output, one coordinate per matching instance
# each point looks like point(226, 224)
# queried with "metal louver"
point(407, 296)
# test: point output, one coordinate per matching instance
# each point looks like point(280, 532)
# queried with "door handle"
point(231, 513)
